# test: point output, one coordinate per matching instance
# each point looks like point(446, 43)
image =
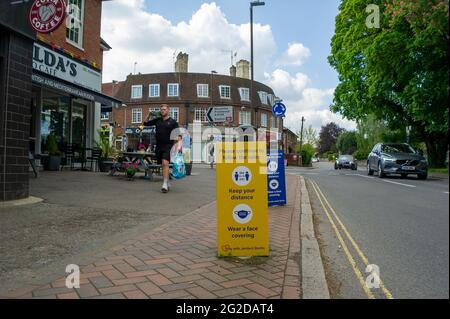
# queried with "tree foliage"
point(398, 72)
point(347, 143)
point(328, 136)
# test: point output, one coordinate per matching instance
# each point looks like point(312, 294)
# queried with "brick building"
point(50, 84)
point(189, 96)
point(290, 141)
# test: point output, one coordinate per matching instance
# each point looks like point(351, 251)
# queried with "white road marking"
point(407, 185)
point(371, 177)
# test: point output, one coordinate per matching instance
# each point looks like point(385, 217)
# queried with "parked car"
point(315, 160)
point(345, 161)
point(396, 158)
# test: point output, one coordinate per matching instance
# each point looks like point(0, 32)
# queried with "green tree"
point(310, 136)
point(399, 72)
point(347, 143)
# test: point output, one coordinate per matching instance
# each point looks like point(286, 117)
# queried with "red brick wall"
point(91, 34)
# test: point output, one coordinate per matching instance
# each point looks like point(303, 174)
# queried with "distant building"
point(189, 96)
point(290, 141)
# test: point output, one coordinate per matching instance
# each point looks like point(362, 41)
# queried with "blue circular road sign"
point(279, 109)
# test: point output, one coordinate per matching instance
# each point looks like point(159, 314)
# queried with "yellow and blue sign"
point(276, 179)
point(242, 208)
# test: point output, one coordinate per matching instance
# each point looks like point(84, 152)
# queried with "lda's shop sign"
point(65, 68)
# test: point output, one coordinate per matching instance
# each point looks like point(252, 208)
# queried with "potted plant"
point(53, 161)
point(109, 152)
point(130, 170)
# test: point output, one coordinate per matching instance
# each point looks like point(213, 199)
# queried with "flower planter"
point(105, 164)
point(52, 163)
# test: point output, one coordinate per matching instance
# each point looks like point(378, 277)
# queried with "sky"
point(291, 45)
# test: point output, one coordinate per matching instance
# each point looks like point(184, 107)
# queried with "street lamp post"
point(212, 89)
point(253, 4)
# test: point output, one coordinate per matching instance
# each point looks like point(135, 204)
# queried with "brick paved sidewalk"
point(179, 260)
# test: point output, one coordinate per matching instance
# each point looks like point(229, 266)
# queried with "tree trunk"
point(437, 147)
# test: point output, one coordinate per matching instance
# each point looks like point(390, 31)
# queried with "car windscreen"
point(346, 158)
point(397, 148)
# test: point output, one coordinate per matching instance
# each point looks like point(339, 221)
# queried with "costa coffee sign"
point(47, 15)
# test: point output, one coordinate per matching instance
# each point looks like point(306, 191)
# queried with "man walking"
point(164, 126)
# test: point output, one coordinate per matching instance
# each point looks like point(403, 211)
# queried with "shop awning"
point(107, 102)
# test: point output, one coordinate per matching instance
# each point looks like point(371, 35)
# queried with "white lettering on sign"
point(52, 63)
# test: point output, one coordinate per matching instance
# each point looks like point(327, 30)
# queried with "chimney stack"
point(233, 71)
point(181, 65)
point(243, 69)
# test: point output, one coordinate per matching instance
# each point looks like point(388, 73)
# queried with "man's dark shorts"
point(163, 153)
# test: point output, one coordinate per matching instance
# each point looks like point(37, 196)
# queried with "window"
point(74, 30)
point(202, 90)
point(104, 116)
point(245, 94)
point(225, 91)
point(272, 121)
point(263, 97)
point(271, 98)
point(200, 114)
point(136, 116)
point(172, 89)
point(245, 118)
point(136, 92)
point(263, 119)
point(153, 90)
point(174, 113)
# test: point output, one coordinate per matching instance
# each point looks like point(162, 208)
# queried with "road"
point(399, 224)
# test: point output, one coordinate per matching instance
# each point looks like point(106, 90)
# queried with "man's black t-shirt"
point(163, 129)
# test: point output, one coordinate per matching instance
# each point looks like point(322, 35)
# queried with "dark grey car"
point(396, 158)
point(345, 161)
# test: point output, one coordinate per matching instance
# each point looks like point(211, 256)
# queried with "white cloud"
point(295, 55)
point(137, 35)
point(302, 100)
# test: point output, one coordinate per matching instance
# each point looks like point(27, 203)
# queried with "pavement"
point(130, 241)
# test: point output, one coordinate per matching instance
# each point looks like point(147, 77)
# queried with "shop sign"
point(47, 15)
point(60, 66)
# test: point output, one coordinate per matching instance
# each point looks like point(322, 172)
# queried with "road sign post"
point(219, 114)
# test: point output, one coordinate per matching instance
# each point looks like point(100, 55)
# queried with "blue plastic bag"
point(178, 167)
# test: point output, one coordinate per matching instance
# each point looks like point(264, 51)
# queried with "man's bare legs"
point(165, 171)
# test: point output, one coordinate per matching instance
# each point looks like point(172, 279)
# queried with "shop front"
point(66, 101)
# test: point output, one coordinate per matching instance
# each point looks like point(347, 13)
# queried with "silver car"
point(396, 158)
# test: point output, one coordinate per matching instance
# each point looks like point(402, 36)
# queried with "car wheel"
point(354, 168)
point(422, 176)
point(335, 166)
point(381, 174)
point(369, 171)
point(404, 175)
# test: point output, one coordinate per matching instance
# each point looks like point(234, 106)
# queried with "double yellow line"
point(327, 209)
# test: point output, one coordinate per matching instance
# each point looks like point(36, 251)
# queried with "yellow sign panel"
point(242, 209)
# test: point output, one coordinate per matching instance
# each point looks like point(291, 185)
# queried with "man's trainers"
point(164, 189)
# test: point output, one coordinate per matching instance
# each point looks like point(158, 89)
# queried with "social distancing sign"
point(242, 208)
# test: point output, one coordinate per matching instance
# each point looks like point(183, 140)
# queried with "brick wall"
point(15, 114)
point(91, 34)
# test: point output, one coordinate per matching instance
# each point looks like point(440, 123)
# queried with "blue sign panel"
point(276, 182)
point(279, 109)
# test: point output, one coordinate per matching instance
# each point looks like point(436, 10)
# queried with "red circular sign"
point(47, 15)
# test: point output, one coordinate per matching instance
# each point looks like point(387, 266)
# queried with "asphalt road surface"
point(400, 225)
